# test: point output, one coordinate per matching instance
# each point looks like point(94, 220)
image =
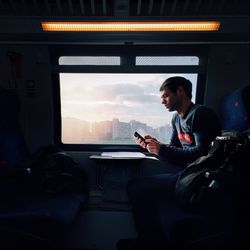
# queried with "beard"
point(170, 108)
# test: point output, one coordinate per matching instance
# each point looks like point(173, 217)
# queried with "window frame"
point(128, 55)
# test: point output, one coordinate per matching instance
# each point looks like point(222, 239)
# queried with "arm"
point(187, 154)
point(174, 153)
point(154, 146)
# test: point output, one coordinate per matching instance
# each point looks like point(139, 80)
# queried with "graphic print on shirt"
point(185, 137)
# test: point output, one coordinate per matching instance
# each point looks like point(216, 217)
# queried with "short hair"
point(174, 82)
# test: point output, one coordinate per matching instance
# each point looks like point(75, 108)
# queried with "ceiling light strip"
point(130, 26)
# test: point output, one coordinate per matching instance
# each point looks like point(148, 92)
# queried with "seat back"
point(235, 110)
point(235, 118)
point(13, 148)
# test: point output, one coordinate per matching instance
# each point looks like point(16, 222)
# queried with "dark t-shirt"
point(192, 135)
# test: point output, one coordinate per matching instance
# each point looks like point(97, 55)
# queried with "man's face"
point(170, 99)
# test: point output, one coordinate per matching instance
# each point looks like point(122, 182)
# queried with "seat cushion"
point(183, 227)
point(61, 208)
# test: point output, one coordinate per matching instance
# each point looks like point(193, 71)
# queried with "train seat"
point(21, 208)
point(193, 230)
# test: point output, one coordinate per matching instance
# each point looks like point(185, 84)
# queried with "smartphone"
point(138, 136)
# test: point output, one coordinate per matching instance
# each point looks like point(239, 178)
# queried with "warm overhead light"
point(130, 26)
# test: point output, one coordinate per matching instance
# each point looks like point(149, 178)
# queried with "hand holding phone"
point(138, 136)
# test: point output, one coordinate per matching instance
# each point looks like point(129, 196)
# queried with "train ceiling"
point(24, 17)
point(124, 8)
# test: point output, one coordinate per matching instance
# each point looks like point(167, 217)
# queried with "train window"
point(167, 60)
point(89, 60)
point(103, 94)
point(107, 108)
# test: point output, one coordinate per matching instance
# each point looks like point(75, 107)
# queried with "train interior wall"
point(227, 69)
point(99, 228)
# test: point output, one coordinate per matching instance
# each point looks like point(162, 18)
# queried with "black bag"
point(53, 171)
point(207, 185)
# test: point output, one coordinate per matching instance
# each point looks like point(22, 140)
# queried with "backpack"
point(213, 182)
point(53, 171)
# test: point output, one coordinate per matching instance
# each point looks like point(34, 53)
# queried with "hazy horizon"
point(95, 97)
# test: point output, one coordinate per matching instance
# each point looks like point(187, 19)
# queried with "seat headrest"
point(235, 110)
point(13, 148)
point(9, 107)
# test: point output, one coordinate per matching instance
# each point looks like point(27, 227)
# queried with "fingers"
point(148, 137)
point(150, 140)
point(149, 143)
point(142, 143)
point(153, 146)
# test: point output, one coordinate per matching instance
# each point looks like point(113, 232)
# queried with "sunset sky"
point(100, 97)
